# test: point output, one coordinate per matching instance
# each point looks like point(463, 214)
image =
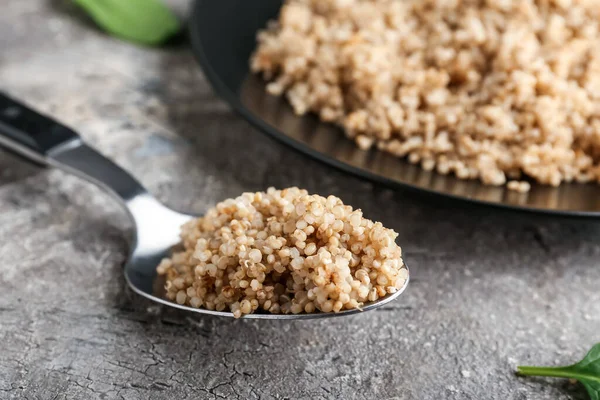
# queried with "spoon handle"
point(30, 134)
point(42, 140)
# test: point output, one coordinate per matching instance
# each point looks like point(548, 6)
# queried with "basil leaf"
point(587, 372)
point(148, 22)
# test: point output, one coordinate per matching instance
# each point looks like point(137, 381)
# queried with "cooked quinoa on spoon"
point(283, 251)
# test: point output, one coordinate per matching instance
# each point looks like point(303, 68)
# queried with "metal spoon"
point(44, 141)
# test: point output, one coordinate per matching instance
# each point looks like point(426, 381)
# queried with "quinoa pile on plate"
point(496, 90)
point(283, 251)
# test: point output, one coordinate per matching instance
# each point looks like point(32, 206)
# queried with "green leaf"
point(148, 22)
point(587, 371)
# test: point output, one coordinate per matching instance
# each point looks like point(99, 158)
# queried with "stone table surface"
point(490, 289)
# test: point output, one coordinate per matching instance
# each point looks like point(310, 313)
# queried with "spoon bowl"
point(156, 232)
point(44, 141)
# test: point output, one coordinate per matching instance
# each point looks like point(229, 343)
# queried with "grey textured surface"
point(490, 289)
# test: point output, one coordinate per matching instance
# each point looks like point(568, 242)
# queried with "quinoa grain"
point(227, 259)
point(491, 90)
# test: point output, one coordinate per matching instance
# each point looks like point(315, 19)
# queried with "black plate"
point(223, 38)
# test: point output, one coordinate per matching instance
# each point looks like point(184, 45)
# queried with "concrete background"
point(490, 289)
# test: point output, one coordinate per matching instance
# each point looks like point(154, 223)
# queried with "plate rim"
point(222, 91)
